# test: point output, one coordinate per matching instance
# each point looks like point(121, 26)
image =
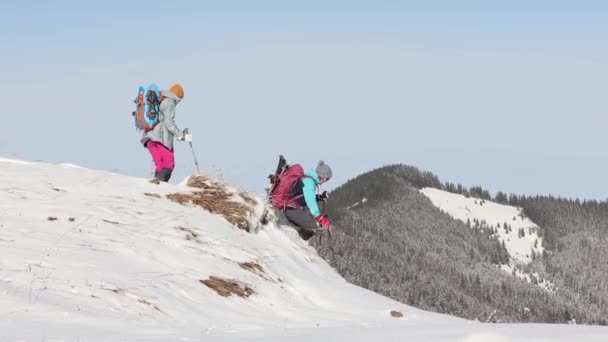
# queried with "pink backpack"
point(282, 191)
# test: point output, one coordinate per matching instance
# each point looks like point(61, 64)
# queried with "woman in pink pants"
point(159, 141)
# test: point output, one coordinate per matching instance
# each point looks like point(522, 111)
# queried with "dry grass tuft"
point(217, 198)
point(255, 268)
point(252, 267)
point(111, 222)
point(191, 235)
point(396, 314)
point(228, 287)
point(248, 198)
point(149, 194)
point(207, 183)
point(118, 290)
point(145, 302)
point(52, 218)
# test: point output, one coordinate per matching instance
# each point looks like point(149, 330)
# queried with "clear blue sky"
point(509, 95)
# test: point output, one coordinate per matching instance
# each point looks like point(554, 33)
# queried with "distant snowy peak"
point(519, 234)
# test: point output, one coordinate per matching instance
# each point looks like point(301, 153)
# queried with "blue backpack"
point(147, 109)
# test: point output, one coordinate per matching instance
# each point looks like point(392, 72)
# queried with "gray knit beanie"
point(324, 170)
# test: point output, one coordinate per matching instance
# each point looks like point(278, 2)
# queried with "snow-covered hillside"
point(519, 233)
point(94, 256)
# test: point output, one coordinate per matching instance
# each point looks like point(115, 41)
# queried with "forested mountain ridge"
point(392, 239)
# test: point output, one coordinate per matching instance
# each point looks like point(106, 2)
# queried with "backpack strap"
point(302, 194)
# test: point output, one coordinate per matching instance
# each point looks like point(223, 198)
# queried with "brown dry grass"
point(144, 301)
point(228, 287)
point(191, 235)
point(111, 222)
point(252, 267)
point(255, 268)
point(217, 198)
point(396, 314)
point(248, 198)
point(150, 194)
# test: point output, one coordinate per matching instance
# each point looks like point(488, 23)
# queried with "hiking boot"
point(165, 175)
point(306, 234)
point(156, 179)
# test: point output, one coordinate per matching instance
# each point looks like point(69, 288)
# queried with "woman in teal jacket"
point(311, 213)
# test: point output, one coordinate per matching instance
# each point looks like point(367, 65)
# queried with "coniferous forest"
point(391, 239)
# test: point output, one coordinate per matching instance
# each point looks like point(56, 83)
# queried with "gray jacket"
point(166, 129)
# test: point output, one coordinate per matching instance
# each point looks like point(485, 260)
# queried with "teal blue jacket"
point(309, 190)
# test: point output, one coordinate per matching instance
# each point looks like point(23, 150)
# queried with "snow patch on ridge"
point(518, 232)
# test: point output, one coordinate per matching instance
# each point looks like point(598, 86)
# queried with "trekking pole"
point(327, 232)
point(198, 170)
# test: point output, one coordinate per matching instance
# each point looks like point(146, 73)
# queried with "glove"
point(185, 136)
point(323, 197)
point(323, 221)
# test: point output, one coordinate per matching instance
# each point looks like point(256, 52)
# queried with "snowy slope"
point(95, 256)
point(494, 215)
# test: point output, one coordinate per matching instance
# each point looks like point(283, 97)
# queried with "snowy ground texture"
point(94, 256)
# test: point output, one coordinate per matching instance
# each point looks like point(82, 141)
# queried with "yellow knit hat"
point(177, 90)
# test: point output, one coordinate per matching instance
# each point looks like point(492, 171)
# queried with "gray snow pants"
point(303, 220)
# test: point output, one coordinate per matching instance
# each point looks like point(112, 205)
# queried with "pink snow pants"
point(162, 156)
